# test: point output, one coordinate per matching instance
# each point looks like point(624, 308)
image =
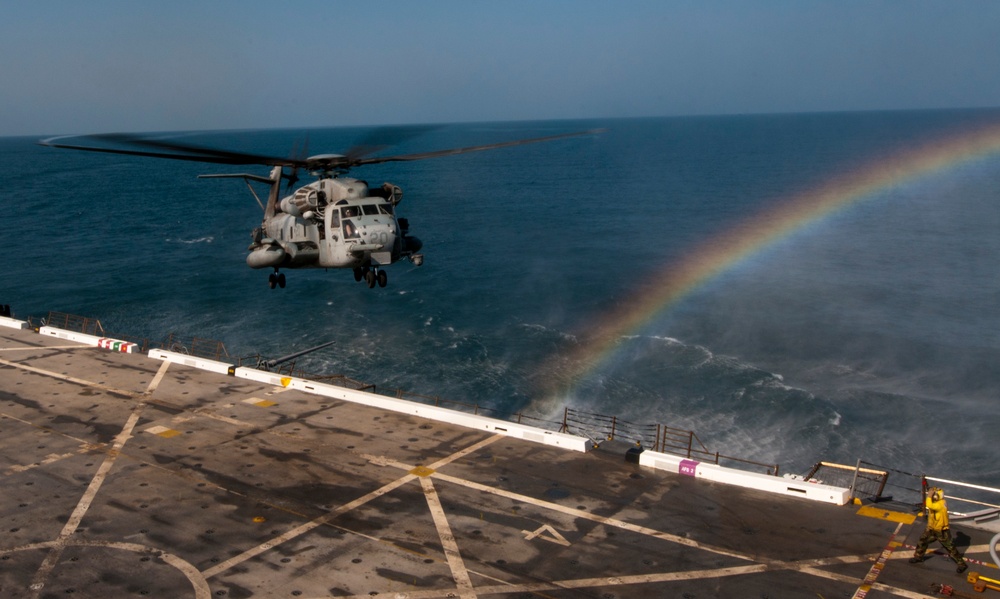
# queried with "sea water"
point(870, 333)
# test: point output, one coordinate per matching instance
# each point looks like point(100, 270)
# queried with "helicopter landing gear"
point(276, 279)
point(371, 275)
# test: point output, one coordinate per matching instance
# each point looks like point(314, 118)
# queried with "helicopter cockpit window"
point(350, 231)
point(385, 208)
point(370, 209)
point(349, 211)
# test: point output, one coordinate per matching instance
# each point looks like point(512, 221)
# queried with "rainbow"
point(727, 250)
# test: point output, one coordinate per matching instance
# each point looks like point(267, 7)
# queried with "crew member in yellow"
point(937, 530)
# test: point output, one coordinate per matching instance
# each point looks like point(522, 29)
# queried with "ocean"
point(793, 288)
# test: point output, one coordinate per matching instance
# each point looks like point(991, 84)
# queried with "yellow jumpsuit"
point(937, 529)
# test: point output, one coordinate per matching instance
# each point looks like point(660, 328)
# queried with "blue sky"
point(112, 65)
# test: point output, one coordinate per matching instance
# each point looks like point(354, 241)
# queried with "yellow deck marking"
point(162, 431)
point(874, 512)
point(260, 403)
point(422, 471)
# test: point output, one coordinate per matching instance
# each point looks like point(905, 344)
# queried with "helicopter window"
point(385, 208)
point(350, 231)
point(349, 211)
point(370, 209)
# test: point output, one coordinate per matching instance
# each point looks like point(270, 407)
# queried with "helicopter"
point(333, 222)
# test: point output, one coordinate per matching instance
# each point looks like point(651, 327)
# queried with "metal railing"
point(77, 324)
point(657, 437)
point(983, 501)
point(866, 483)
point(197, 346)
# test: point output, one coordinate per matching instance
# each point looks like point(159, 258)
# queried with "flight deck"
point(124, 475)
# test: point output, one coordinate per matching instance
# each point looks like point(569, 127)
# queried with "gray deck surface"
point(125, 476)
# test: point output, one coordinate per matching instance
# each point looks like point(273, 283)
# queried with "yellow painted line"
point(873, 512)
point(422, 471)
point(260, 403)
point(162, 431)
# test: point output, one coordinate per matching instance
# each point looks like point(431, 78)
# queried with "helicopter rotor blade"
point(455, 151)
point(357, 156)
point(188, 152)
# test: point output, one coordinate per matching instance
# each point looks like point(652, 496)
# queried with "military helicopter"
point(333, 222)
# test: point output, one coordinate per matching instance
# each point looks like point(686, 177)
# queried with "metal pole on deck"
point(854, 482)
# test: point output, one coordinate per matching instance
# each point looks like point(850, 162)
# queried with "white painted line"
point(304, 528)
point(67, 378)
point(347, 507)
point(153, 384)
point(198, 582)
point(50, 561)
point(43, 347)
point(546, 533)
point(458, 570)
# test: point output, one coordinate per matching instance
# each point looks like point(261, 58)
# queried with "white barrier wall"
point(92, 340)
point(12, 323)
point(186, 360)
point(750, 480)
point(511, 429)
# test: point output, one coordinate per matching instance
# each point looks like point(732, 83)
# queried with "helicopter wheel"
point(358, 274)
point(370, 278)
point(383, 278)
point(272, 280)
point(281, 280)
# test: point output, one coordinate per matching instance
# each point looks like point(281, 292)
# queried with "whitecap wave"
point(208, 239)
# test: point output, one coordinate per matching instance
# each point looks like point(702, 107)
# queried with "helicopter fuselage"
point(333, 223)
